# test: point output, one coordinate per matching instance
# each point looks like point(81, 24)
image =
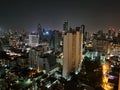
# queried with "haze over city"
point(26, 14)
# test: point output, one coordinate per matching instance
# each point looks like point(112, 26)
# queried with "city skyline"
point(52, 56)
point(95, 15)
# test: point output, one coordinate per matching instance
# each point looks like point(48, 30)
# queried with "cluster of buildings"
point(41, 49)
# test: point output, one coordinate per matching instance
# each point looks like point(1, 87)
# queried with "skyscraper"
point(72, 50)
point(83, 28)
point(65, 26)
point(40, 32)
point(33, 56)
point(33, 39)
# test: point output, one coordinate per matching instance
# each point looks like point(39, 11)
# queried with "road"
point(105, 84)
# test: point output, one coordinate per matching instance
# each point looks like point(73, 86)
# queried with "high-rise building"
point(72, 50)
point(65, 26)
point(40, 32)
point(83, 28)
point(55, 40)
point(111, 33)
point(33, 55)
point(33, 39)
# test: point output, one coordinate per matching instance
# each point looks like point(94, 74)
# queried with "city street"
point(105, 84)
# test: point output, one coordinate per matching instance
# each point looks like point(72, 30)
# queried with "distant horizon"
point(35, 29)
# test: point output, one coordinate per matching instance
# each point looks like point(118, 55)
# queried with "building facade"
point(33, 39)
point(72, 50)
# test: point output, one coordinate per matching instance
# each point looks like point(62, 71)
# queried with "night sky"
point(95, 14)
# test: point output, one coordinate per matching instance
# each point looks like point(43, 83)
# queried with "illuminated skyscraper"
point(33, 39)
point(72, 50)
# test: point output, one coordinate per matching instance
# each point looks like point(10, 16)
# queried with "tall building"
point(55, 40)
point(40, 32)
point(83, 28)
point(33, 55)
point(65, 26)
point(111, 33)
point(33, 39)
point(72, 50)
